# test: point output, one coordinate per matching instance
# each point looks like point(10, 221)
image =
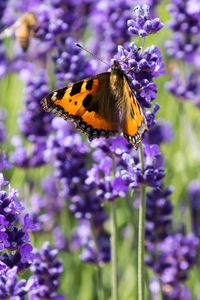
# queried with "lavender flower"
point(193, 7)
point(70, 65)
point(104, 176)
point(93, 241)
point(3, 5)
point(14, 240)
point(160, 133)
point(109, 19)
point(171, 255)
point(4, 164)
point(3, 60)
point(142, 24)
point(153, 168)
point(194, 197)
point(60, 241)
point(176, 256)
point(47, 269)
point(158, 215)
point(185, 45)
point(68, 155)
point(185, 87)
point(34, 124)
point(13, 288)
point(142, 67)
point(2, 127)
point(185, 41)
point(77, 19)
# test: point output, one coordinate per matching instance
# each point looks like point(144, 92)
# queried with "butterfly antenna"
point(81, 47)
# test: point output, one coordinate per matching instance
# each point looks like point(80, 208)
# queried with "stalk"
point(114, 252)
point(100, 291)
point(141, 234)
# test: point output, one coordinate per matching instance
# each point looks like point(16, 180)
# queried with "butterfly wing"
point(134, 123)
point(89, 103)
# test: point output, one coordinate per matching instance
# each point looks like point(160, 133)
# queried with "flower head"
point(47, 269)
point(142, 24)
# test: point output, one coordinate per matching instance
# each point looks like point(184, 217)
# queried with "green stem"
point(100, 291)
point(114, 251)
point(141, 235)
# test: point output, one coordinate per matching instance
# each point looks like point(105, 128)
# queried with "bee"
point(22, 29)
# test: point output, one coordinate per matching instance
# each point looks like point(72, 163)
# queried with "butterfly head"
point(116, 68)
point(115, 65)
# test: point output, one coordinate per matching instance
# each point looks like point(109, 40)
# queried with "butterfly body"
point(100, 106)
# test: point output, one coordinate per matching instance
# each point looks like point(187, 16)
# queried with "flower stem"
point(141, 235)
point(100, 291)
point(114, 252)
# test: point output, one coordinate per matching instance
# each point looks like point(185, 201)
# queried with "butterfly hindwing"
point(87, 103)
point(134, 122)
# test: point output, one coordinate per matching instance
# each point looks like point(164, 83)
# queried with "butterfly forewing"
point(87, 103)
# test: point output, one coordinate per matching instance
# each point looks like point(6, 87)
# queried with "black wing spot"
point(70, 100)
point(89, 85)
point(94, 107)
point(87, 101)
point(76, 88)
point(60, 93)
point(75, 102)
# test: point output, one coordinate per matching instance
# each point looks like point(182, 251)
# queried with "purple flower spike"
point(158, 215)
point(3, 268)
point(185, 46)
point(47, 269)
point(70, 64)
point(194, 196)
point(2, 126)
point(34, 124)
point(3, 162)
point(26, 253)
point(12, 288)
point(13, 239)
point(142, 24)
point(153, 169)
point(3, 59)
point(109, 19)
point(94, 252)
point(160, 133)
point(142, 67)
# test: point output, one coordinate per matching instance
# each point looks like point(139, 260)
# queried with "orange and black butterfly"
point(100, 106)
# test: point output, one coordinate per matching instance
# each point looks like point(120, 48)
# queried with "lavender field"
point(100, 219)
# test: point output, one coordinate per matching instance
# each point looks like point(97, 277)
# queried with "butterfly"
point(22, 29)
point(100, 106)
